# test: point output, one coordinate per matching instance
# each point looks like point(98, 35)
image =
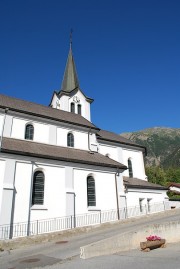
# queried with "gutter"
point(5, 112)
point(117, 197)
point(89, 147)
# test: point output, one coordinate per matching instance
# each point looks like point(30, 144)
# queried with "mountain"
point(163, 145)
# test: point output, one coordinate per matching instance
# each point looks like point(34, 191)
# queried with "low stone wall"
point(131, 240)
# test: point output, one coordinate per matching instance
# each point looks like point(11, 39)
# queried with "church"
point(59, 169)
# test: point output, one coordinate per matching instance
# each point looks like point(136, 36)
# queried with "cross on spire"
point(71, 32)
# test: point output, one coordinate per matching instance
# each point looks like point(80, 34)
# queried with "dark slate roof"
point(28, 148)
point(175, 192)
point(137, 183)
point(174, 184)
point(109, 136)
point(26, 107)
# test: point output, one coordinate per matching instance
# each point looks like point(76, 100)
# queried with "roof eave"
point(62, 92)
point(145, 187)
point(48, 117)
point(8, 151)
point(124, 143)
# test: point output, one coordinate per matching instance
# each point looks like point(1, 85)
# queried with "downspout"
point(30, 200)
point(117, 199)
point(5, 111)
point(89, 147)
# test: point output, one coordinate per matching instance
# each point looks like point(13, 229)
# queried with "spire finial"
point(71, 32)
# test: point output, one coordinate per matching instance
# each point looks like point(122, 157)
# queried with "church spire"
point(70, 79)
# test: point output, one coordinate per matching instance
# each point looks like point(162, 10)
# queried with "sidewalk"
point(63, 249)
point(119, 226)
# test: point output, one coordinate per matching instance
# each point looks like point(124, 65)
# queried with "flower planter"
point(148, 245)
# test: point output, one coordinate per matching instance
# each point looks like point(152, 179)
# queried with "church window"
point(91, 194)
point(70, 140)
point(79, 109)
point(141, 204)
point(38, 188)
point(130, 168)
point(149, 204)
point(29, 132)
point(72, 107)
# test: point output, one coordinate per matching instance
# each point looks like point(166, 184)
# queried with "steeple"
point(70, 79)
point(71, 98)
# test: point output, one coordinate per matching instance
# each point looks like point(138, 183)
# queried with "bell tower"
point(70, 97)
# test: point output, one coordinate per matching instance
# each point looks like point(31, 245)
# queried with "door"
point(70, 208)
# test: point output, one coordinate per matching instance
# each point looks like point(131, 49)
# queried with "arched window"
point(70, 140)
point(91, 192)
point(130, 168)
point(79, 109)
point(29, 132)
point(72, 107)
point(38, 188)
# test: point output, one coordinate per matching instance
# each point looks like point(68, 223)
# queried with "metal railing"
point(69, 222)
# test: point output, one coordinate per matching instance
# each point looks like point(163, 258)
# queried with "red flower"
point(153, 238)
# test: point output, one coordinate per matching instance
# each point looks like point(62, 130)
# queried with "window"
point(79, 109)
point(70, 140)
point(91, 194)
point(130, 168)
point(29, 132)
point(149, 204)
point(141, 204)
point(38, 188)
point(72, 107)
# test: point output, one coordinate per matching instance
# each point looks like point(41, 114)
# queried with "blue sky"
point(127, 55)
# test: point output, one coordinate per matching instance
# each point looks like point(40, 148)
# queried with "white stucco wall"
point(133, 196)
point(85, 106)
point(22, 194)
point(94, 146)
point(80, 138)
point(64, 103)
point(137, 163)
point(110, 150)
point(54, 101)
point(105, 191)
point(41, 130)
point(54, 192)
point(2, 168)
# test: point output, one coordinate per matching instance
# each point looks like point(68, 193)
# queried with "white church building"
point(59, 170)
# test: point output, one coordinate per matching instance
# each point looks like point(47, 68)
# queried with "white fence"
point(65, 223)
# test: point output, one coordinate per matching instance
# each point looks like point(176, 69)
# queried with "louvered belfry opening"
point(72, 107)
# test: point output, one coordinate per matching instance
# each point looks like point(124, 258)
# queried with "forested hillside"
point(163, 145)
point(163, 153)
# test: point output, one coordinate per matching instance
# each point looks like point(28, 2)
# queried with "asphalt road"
point(65, 253)
point(166, 258)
